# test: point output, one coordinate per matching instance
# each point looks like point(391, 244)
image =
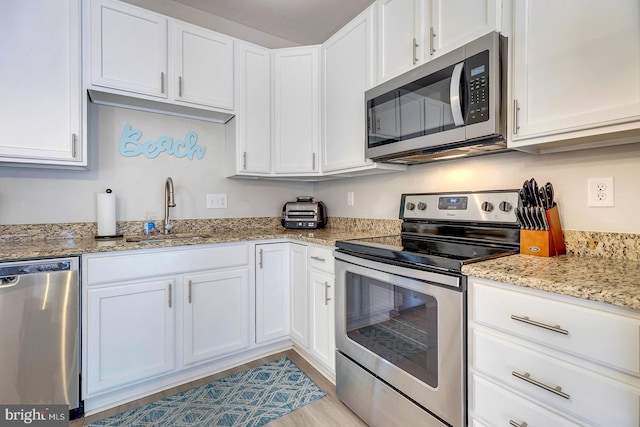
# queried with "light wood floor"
point(325, 412)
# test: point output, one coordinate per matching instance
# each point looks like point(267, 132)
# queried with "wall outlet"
point(600, 192)
point(216, 201)
point(350, 198)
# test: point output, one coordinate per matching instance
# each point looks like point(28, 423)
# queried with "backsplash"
point(581, 243)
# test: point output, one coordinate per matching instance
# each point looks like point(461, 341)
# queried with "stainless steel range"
point(401, 307)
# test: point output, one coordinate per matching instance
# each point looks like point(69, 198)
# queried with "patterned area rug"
point(249, 398)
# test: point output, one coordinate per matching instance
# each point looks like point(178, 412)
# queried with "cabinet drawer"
point(572, 389)
point(602, 336)
point(321, 259)
point(127, 266)
point(498, 406)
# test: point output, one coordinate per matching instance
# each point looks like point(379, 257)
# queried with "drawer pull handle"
point(528, 321)
point(170, 294)
point(515, 424)
point(527, 377)
point(317, 258)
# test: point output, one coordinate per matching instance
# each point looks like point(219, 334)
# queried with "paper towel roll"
point(106, 214)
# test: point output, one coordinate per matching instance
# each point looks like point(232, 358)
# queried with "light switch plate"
point(216, 201)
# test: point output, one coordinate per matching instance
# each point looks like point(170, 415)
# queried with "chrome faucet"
point(168, 203)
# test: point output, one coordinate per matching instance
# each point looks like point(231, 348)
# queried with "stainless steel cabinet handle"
point(326, 293)
point(528, 321)
point(527, 377)
point(180, 86)
point(162, 82)
point(313, 161)
point(170, 294)
point(318, 258)
point(515, 424)
point(73, 145)
point(516, 125)
point(415, 51)
point(244, 160)
point(260, 262)
point(432, 35)
point(189, 291)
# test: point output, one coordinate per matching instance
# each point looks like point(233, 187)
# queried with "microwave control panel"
point(477, 74)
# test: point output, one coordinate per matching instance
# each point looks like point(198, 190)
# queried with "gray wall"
point(379, 196)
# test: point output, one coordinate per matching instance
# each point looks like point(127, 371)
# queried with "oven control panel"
point(478, 206)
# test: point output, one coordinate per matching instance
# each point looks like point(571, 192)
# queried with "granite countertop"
point(606, 280)
point(613, 280)
point(43, 248)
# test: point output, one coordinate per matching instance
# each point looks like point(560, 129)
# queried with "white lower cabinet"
point(312, 308)
point(216, 314)
point(544, 359)
point(322, 344)
point(131, 335)
point(272, 291)
point(156, 318)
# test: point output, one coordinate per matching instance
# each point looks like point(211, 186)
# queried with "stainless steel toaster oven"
point(304, 213)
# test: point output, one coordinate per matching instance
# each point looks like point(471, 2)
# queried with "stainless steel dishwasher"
point(40, 333)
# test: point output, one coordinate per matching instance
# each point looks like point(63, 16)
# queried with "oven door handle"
point(454, 94)
point(432, 277)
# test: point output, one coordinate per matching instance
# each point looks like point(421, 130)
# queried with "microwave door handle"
point(454, 94)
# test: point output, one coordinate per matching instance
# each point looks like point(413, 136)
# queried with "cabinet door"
point(128, 48)
point(348, 72)
point(253, 120)
point(272, 291)
point(203, 67)
point(575, 68)
point(456, 22)
point(323, 343)
point(400, 35)
point(130, 330)
point(299, 331)
point(296, 114)
point(216, 309)
point(40, 113)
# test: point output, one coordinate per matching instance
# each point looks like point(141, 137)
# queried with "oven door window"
point(398, 324)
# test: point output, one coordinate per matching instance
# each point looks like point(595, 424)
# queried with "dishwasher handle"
point(33, 268)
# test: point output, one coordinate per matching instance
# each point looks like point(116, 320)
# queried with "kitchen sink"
point(167, 238)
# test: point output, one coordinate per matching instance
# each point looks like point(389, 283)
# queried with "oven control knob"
point(506, 206)
point(487, 206)
point(422, 206)
point(410, 206)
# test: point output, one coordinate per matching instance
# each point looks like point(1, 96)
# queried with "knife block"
point(545, 243)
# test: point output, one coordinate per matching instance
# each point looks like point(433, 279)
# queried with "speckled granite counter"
point(52, 240)
point(607, 280)
point(602, 267)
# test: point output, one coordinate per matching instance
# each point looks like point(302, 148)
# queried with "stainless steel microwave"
point(452, 106)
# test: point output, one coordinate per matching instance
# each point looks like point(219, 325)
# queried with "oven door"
point(405, 326)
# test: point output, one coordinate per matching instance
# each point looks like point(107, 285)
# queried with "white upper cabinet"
point(455, 23)
point(412, 32)
point(296, 110)
point(575, 67)
point(128, 48)
point(400, 36)
point(146, 56)
point(203, 67)
point(40, 107)
point(348, 70)
point(253, 119)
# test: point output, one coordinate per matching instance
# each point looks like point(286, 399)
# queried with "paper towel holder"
point(112, 236)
